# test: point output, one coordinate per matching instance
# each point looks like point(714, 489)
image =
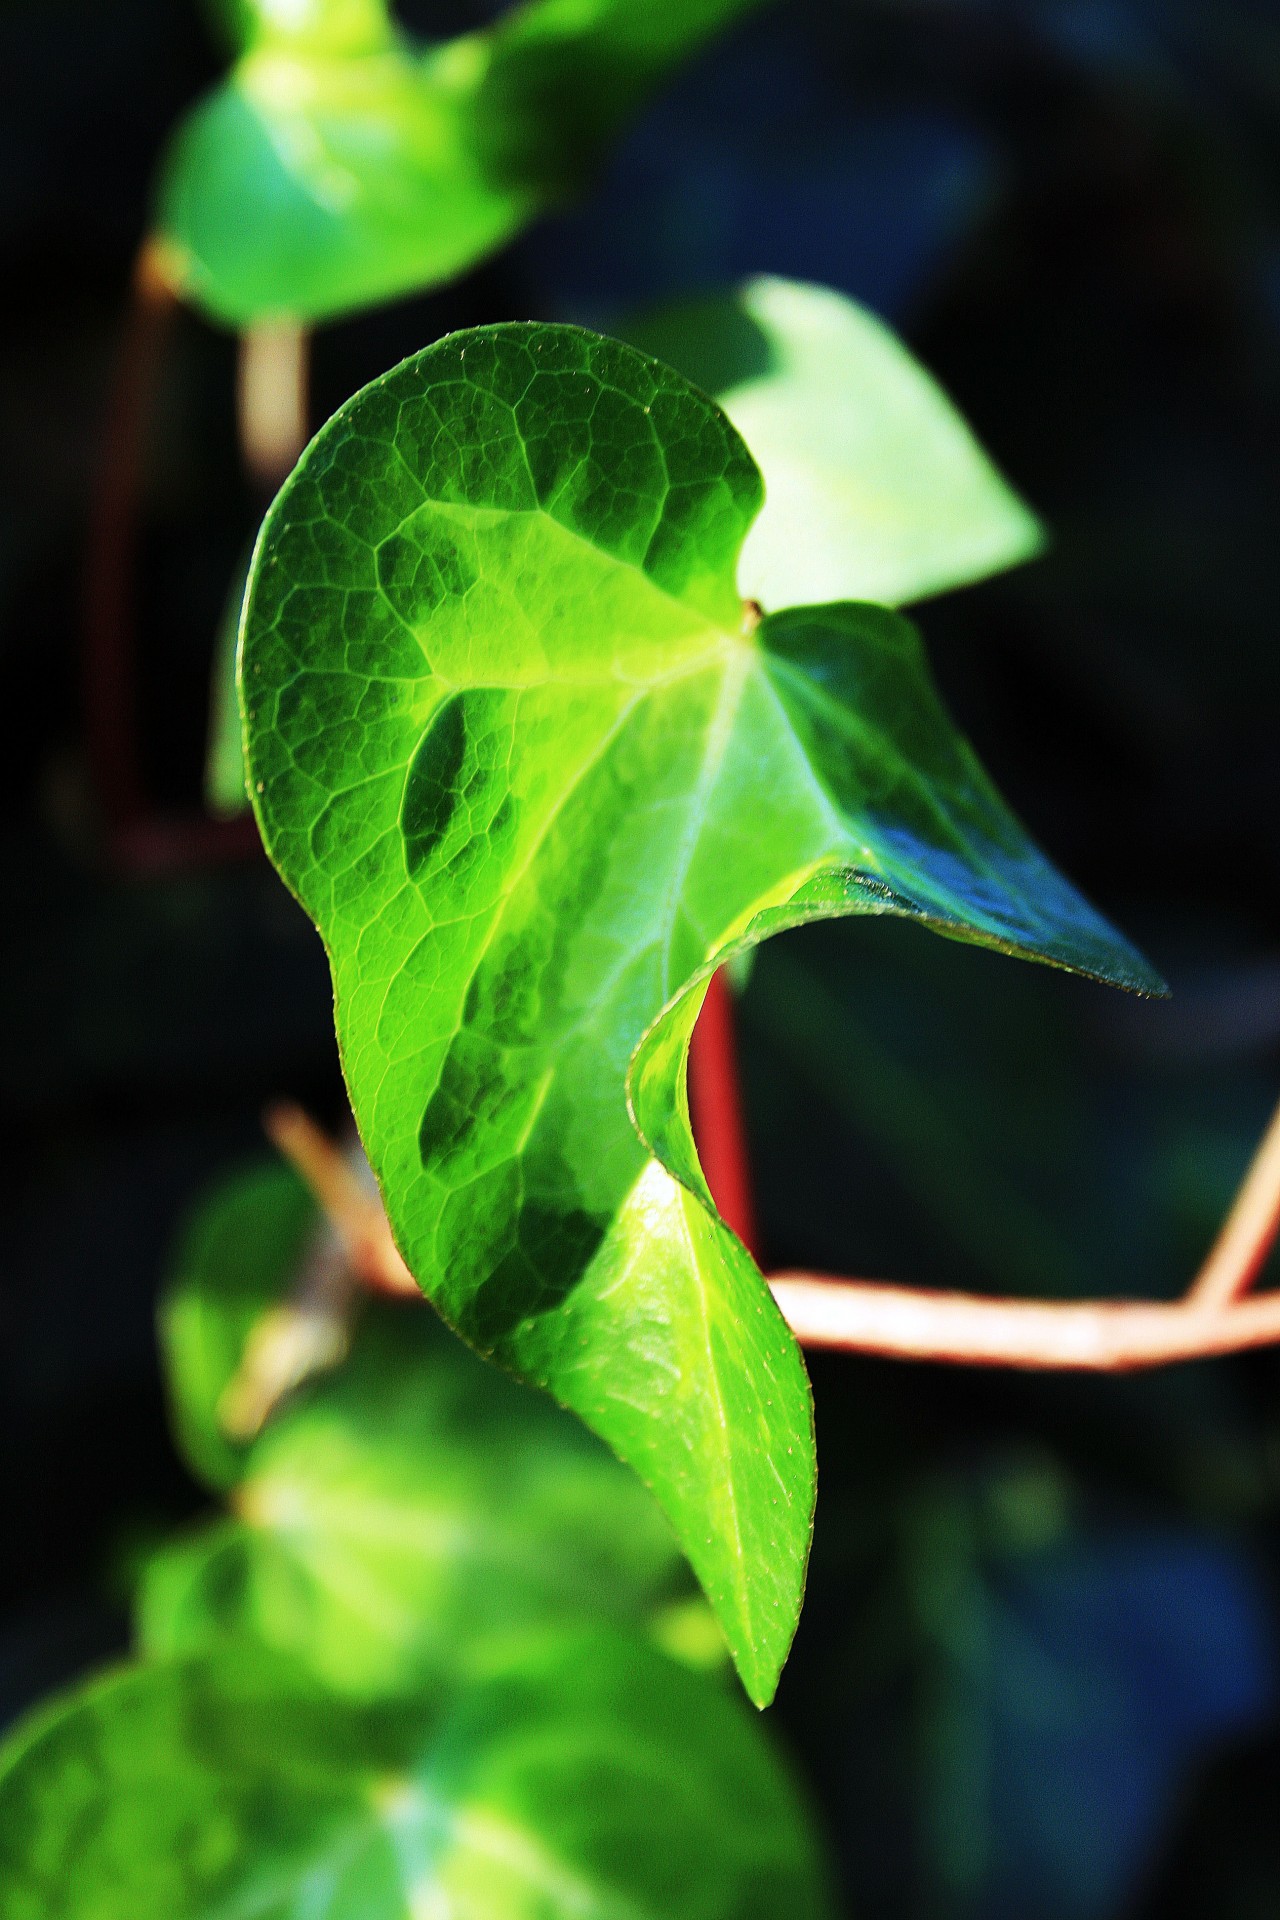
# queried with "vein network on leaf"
point(512, 751)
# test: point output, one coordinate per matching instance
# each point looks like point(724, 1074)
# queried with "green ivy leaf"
point(875, 489)
point(340, 165)
point(589, 1780)
point(401, 1512)
point(517, 750)
point(231, 1267)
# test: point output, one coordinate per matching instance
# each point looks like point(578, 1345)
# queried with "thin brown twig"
point(272, 399)
point(351, 1204)
point(304, 1335)
point(1213, 1317)
point(916, 1323)
point(1249, 1231)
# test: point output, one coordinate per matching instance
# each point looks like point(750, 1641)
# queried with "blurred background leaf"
point(875, 489)
point(239, 1256)
point(407, 1506)
point(586, 1774)
point(340, 165)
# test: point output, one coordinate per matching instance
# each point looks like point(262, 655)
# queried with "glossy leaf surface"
point(340, 164)
point(400, 1512)
point(513, 743)
point(589, 1780)
point(875, 489)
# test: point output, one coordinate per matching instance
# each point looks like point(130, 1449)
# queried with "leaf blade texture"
point(514, 745)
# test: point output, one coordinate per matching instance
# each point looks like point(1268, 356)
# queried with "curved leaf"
point(875, 489)
point(340, 165)
point(402, 1512)
point(514, 745)
point(589, 1780)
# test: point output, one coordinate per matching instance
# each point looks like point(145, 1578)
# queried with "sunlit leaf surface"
point(401, 1512)
point(341, 164)
point(588, 1779)
point(517, 746)
point(875, 489)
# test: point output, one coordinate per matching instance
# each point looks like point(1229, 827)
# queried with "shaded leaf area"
point(875, 489)
point(403, 1510)
point(517, 748)
point(588, 1778)
point(341, 164)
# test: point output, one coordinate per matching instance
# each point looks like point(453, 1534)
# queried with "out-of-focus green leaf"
point(319, 26)
point(515, 744)
point(875, 489)
point(405, 1511)
point(340, 165)
point(591, 1779)
point(224, 788)
point(236, 1259)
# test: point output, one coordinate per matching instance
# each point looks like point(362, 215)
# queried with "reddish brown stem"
point(273, 381)
point(906, 1323)
point(110, 695)
point(715, 1107)
point(861, 1316)
point(1249, 1231)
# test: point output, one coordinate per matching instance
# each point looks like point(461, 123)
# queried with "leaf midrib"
point(738, 1560)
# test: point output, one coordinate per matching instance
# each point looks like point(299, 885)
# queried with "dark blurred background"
point(1036, 1677)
